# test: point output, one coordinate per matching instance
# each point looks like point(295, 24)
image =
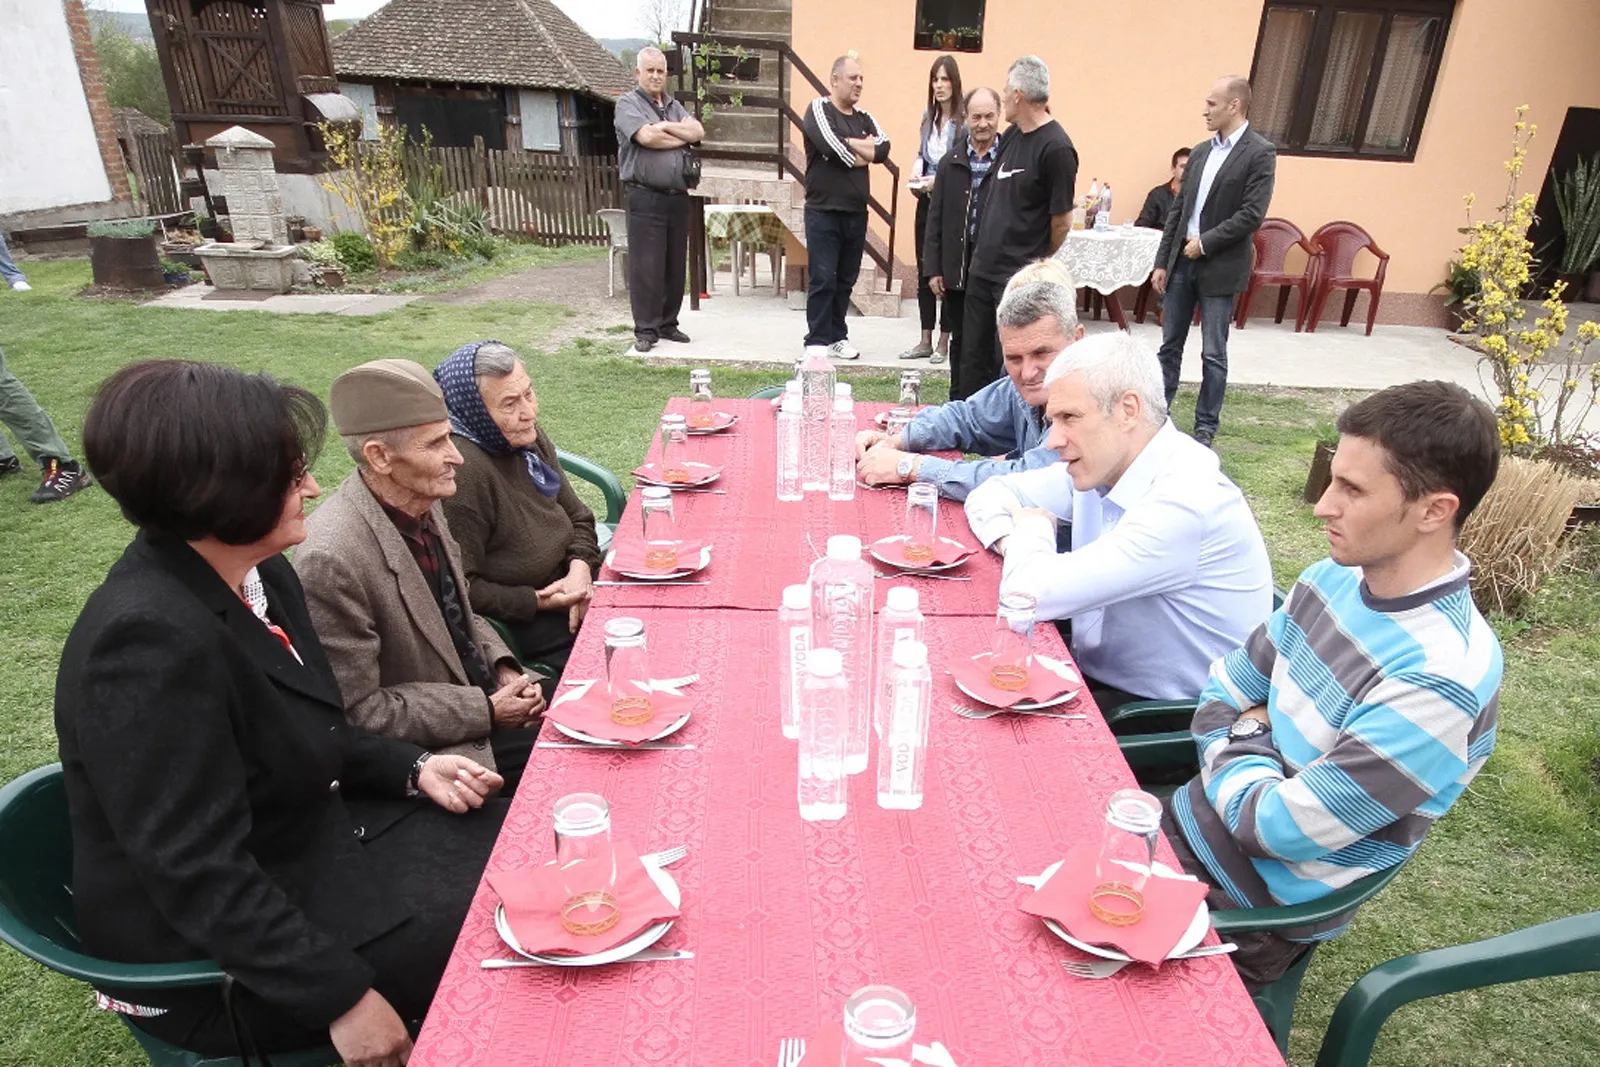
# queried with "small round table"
point(1106, 260)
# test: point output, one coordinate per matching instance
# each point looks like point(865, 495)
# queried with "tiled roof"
point(528, 43)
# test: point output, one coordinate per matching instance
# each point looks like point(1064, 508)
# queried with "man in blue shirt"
point(1037, 318)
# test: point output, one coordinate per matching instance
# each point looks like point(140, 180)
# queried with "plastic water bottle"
point(841, 619)
point(899, 621)
point(790, 434)
point(794, 641)
point(842, 446)
point(824, 726)
point(903, 752)
point(817, 378)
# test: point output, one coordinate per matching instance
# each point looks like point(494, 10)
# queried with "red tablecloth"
point(787, 918)
point(760, 543)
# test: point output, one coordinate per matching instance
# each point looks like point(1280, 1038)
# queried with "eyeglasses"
point(298, 473)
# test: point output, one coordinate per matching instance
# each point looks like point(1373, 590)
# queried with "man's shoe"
point(62, 478)
point(1205, 437)
point(10, 465)
point(844, 350)
point(918, 351)
point(642, 345)
point(22, 287)
point(674, 334)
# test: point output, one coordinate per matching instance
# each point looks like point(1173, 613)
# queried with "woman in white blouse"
point(941, 121)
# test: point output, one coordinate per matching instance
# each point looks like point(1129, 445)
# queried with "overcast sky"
point(602, 18)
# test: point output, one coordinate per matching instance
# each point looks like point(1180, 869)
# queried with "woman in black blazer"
point(221, 805)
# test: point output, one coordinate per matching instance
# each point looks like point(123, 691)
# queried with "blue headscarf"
point(469, 418)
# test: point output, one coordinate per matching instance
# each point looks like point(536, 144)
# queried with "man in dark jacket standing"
point(653, 132)
point(1206, 244)
point(842, 141)
point(953, 208)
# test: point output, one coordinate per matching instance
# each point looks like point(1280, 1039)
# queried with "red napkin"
point(825, 1048)
point(590, 712)
point(629, 557)
point(533, 897)
point(720, 420)
point(945, 551)
point(1043, 683)
point(1169, 906)
point(699, 474)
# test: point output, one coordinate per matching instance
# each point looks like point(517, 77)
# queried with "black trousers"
point(835, 241)
point(432, 861)
point(979, 361)
point(658, 258)
point(927, 302)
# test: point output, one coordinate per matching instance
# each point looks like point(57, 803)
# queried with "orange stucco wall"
point(1128, 79)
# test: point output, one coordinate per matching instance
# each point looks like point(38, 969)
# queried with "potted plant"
point(968, 39)
point(1578, 201)
point(312, 233)
point(174, 273)
point(1460, 285)
point(122, 254)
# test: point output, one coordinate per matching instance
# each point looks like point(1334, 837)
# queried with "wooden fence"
point(544, 196)
point(152, 160)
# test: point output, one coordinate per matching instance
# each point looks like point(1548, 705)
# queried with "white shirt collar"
point(1146, 466)
point(1224, 145)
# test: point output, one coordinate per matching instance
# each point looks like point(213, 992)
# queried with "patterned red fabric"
point(787, 918)
point(761, 542)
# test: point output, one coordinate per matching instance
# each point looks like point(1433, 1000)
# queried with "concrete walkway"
point(758, 328)
point(205, 298)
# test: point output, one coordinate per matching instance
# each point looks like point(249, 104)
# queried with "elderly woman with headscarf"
point(527, 542)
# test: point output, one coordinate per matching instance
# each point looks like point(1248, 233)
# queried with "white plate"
point(886, 561)
point(579, 735)
point(700, 431)
point(1028, 705)
point(1191, 937)
point(703, 479)
point(643, 940)
point(661, 576)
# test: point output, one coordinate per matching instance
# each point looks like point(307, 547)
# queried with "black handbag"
point(691, 168)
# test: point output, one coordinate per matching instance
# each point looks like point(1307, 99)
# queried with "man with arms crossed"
point(1355, 716)
point(954, 207)
point(1167, 571)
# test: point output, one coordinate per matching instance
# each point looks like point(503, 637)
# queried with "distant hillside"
point(338, 26)
point(133, 23)
point(617, 45)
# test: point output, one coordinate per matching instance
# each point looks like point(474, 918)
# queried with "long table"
point(787, 918)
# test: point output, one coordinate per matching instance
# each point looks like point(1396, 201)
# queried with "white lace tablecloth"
point(1107, 260)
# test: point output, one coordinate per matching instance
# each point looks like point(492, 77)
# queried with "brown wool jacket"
point(383, 631)
point(514, 539)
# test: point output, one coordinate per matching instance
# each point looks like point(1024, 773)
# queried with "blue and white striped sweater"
point(1382, 711)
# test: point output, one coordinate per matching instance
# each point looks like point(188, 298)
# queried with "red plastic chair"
point(1335, 246)
point(1272, 244)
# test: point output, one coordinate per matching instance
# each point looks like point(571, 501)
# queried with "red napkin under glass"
point(1169, 907)
point(1043, 683)
point(945, 551)
point(699, 473)
point(533, 897)
point(589, 712)
point(630, 557)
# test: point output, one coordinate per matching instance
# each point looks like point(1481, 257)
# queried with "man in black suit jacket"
point(1206, 243)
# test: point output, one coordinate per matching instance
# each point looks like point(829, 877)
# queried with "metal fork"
point(666, 857)
point(791, 1050)
point(989, 713)
point(1096, 969)
point(923, 574)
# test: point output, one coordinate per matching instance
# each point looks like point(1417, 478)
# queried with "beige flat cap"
point(385, 394)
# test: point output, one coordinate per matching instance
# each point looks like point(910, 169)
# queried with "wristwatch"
point(413, 788)
point(1244, 729)
point(906, 467)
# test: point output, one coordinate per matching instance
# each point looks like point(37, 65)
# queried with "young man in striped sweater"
point(1359, 711)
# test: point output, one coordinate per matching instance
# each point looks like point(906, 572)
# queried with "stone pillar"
point(250, 185)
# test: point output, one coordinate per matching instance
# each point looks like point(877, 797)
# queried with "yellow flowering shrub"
point(370, 179)
point(1543, 399)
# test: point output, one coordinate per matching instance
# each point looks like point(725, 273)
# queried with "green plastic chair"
point(610, 485)
point(1175, 752)
point(37, 919)
point(767, 392)
point(1565, 946)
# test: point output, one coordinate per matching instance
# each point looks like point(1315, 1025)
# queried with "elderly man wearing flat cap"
point(384, 583)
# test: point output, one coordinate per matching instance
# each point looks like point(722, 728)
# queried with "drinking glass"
point(1127, 850)
point(660, 528)
point(1013, 642)
point(700, 414)
point(628, 672)
point(911, 389)
point(674, 448)
point(878, 1023)
point(922, 522)
point(588, 864)
point(899, 419)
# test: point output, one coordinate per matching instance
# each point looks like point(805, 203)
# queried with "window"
point(365, 100)
point(1347, 77)
point(541, 120)
point(949, 26)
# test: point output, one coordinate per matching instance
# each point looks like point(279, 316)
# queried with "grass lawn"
point(1520, 848)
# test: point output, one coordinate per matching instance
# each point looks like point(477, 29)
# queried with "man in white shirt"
point(1168, 570)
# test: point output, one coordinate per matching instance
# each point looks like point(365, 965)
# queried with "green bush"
point(355, 251)
point(321, 254)
point(426, 259)
point(122, 228)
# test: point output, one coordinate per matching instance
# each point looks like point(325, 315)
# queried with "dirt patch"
point(580, 287)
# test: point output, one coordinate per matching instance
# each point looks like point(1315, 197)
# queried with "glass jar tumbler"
point(1127, 852)
point(674, 449)
point(700, 414)
point(879, 1022)
point(922, 522)
point(588, 864)
point(1012, 650)
point(660, 528)
point(628, 672)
